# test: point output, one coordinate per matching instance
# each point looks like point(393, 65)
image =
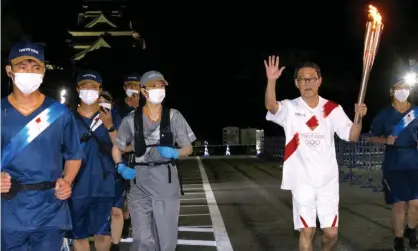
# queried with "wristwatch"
point(111, 129)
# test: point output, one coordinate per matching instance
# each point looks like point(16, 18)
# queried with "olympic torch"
point(374, 28)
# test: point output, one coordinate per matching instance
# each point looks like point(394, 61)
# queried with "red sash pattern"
point(312, 123)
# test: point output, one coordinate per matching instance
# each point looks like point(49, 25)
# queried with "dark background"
point(212, 52)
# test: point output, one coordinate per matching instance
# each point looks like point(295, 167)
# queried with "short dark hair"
point(307, 65)
point(106, 95)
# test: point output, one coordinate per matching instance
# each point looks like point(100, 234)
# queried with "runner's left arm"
point(72, 150)
point(183, 134)
point(378, 130)
point(123, 140)
point(344, 127)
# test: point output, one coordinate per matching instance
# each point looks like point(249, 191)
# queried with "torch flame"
point(375, 15)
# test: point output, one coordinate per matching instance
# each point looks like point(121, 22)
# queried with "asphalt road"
point(256, 213)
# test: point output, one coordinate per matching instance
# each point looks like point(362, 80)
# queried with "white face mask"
point(156, 96)
point(89, 96)
point(401, 95)
point(130, 92)
point(27, 82)
point(106, 105)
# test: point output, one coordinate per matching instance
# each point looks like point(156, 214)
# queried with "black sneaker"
point(398, 244)
point(411, 235)
point(114, 247)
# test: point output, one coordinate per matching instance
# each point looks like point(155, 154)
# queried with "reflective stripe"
point(32, 130)
point(405, 121)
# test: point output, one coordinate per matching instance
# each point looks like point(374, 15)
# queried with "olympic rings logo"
point(312, 142)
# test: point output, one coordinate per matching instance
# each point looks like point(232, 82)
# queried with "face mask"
point(27, 82)
point(156, 96)
point(106, 105)
point(401, 95)
point(89, 96)
point(130, 92)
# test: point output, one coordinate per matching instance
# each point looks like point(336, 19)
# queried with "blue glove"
point(126, 172)
point(168, 152)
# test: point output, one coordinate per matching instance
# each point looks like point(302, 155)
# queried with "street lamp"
point(410, 78)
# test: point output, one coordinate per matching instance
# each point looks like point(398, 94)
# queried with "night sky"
point(212, 52)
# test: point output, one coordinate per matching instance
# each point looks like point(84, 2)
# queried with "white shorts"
point(309, 202)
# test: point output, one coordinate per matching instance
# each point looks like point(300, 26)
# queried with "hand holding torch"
point(374, 28)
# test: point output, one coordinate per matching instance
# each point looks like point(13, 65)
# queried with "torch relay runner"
point(37, 134)
point(396, 127)
point(310, 169)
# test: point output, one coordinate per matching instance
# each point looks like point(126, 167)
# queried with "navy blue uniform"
point(94, 189)
point(400, 164)
point(37, 220)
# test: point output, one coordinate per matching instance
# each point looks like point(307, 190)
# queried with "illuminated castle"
point(102, 24)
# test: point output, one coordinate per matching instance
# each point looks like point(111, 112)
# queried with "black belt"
point(151, 164)
point(18, 187)
point(166, 163)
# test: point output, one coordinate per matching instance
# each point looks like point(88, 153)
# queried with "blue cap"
point(397, 79)
point(26, 50)
point(90, 76)
point(132, 78)
point(152, 76)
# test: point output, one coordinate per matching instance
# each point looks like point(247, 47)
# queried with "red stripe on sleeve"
point(291, 147)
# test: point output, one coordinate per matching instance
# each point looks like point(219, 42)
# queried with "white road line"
point(194, 193)
point(127, 240)
point(193, 189)
point(221, 236)
point(199, 226)
point(193, 199)
point(192, 185)
point(182, 242)
point(196, 229)
point(193, 205)
point(196, 243)
point(190, 215)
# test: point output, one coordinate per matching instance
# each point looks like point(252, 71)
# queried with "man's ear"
point(319, 81)
point(9, 71)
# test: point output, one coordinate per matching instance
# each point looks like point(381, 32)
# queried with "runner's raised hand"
point(272, 68)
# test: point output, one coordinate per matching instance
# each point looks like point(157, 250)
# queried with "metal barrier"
point(359, 162)
point(225, 150)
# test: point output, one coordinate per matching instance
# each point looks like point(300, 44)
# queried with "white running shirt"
point(310, 157)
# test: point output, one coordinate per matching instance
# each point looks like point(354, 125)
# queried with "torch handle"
point(363, 87)
point(357, 119)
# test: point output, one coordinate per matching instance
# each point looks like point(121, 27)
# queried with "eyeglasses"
point(311, 80)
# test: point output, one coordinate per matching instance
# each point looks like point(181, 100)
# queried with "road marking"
point(193, 199)
point(193, 189)
point(127, 240)
point(190, 215)
point(204, 229)
point(196, 243)
point(193, 205)
point(194, 193)
point(221, 236)
point(192, 186)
